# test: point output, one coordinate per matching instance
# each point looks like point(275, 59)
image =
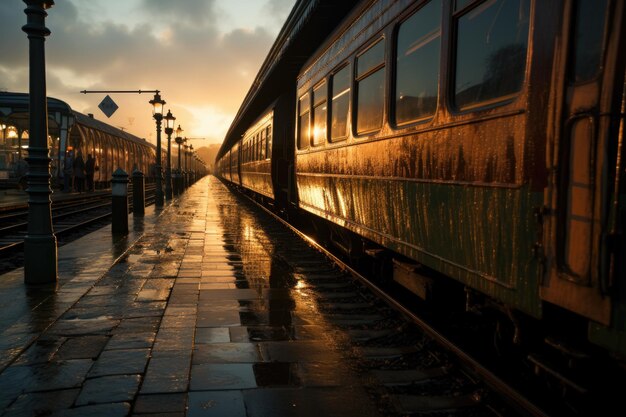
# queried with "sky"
point(201, 54)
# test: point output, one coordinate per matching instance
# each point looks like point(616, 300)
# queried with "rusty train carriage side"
point(451, 191)
point(515, 190)
point(489, 194)
point(584, 271)
point(256, 151)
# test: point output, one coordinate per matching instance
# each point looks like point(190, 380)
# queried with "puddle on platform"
point(275, 374)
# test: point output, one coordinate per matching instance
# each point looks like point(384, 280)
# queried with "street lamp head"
point(179, 132)
point(169, 122)
point(157, 106)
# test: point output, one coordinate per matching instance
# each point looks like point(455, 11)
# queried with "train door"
point(581, 272)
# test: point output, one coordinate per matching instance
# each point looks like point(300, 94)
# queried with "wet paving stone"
point(160, 403)
point(273, 374)
point(120, 362)
point(108, 389)
point(198, 318)
point(137, 340)
point(82, 347)
point(222, 377)
point(226, 353)
point(313, 402)
point(120, 409)
point(41, 351)
point(216, 404)
point(167, 372)
point(42, 403)
point(259, 334)
point(213, 335)
point(299, 351)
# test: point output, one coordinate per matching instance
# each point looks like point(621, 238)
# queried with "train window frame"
point(315, 103)
point(573, 46)
point(458, 13)
point(333, 98)
point(301, 144)
point(393, 72)
point(359, 78)
point(268, 136)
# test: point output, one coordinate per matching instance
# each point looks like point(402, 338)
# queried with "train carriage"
point(477, 140)
point(480, 139)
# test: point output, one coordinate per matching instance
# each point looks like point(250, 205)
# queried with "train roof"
point(308, 25)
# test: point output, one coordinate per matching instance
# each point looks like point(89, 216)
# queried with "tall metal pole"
point(169, 129)
point(40, 243)
point(158, 198)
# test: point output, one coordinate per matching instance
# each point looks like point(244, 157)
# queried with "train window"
point(268, 135)
point(588, 39)
point(263, 147)
point(320, 115)
point(304, 130)
point(417, 64)
point(370, 85)
point(491, 44)
point(340, 104)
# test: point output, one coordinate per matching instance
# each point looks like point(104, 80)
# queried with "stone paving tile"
point(82, 347)
point(138, 325)
point(42, 351)
point(259, 333)
point(219, 319)
point(299, 351)
point(313, 402)
point(41, 403)
point(222, 377)
point(212, 335)
point(120, 362)
point(226, 353)
point(168, 371)
point(131, 340)
point(120, 409)
point(216, 404)
point(109, 389)
point(160, 403)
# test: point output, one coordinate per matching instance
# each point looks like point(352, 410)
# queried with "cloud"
point(202, 69)
point(181, 12)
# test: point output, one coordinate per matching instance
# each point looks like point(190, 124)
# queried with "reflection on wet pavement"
point(199, 316)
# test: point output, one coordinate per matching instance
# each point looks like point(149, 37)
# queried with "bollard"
point(139, 193)
point(175, 184)
point(119, 202)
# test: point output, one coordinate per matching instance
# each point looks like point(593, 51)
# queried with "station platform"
point(171, 320)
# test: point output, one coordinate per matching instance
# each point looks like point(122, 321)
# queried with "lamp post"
point(185, 182)
point(169, 128)
point(40, 243)
point(190, 165)
point(179, 141)
point(157, 113)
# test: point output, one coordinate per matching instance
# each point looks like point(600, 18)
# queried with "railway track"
point(415, 367)
point(71, 218)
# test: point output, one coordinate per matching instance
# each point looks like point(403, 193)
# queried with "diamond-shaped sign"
point(108, 106)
